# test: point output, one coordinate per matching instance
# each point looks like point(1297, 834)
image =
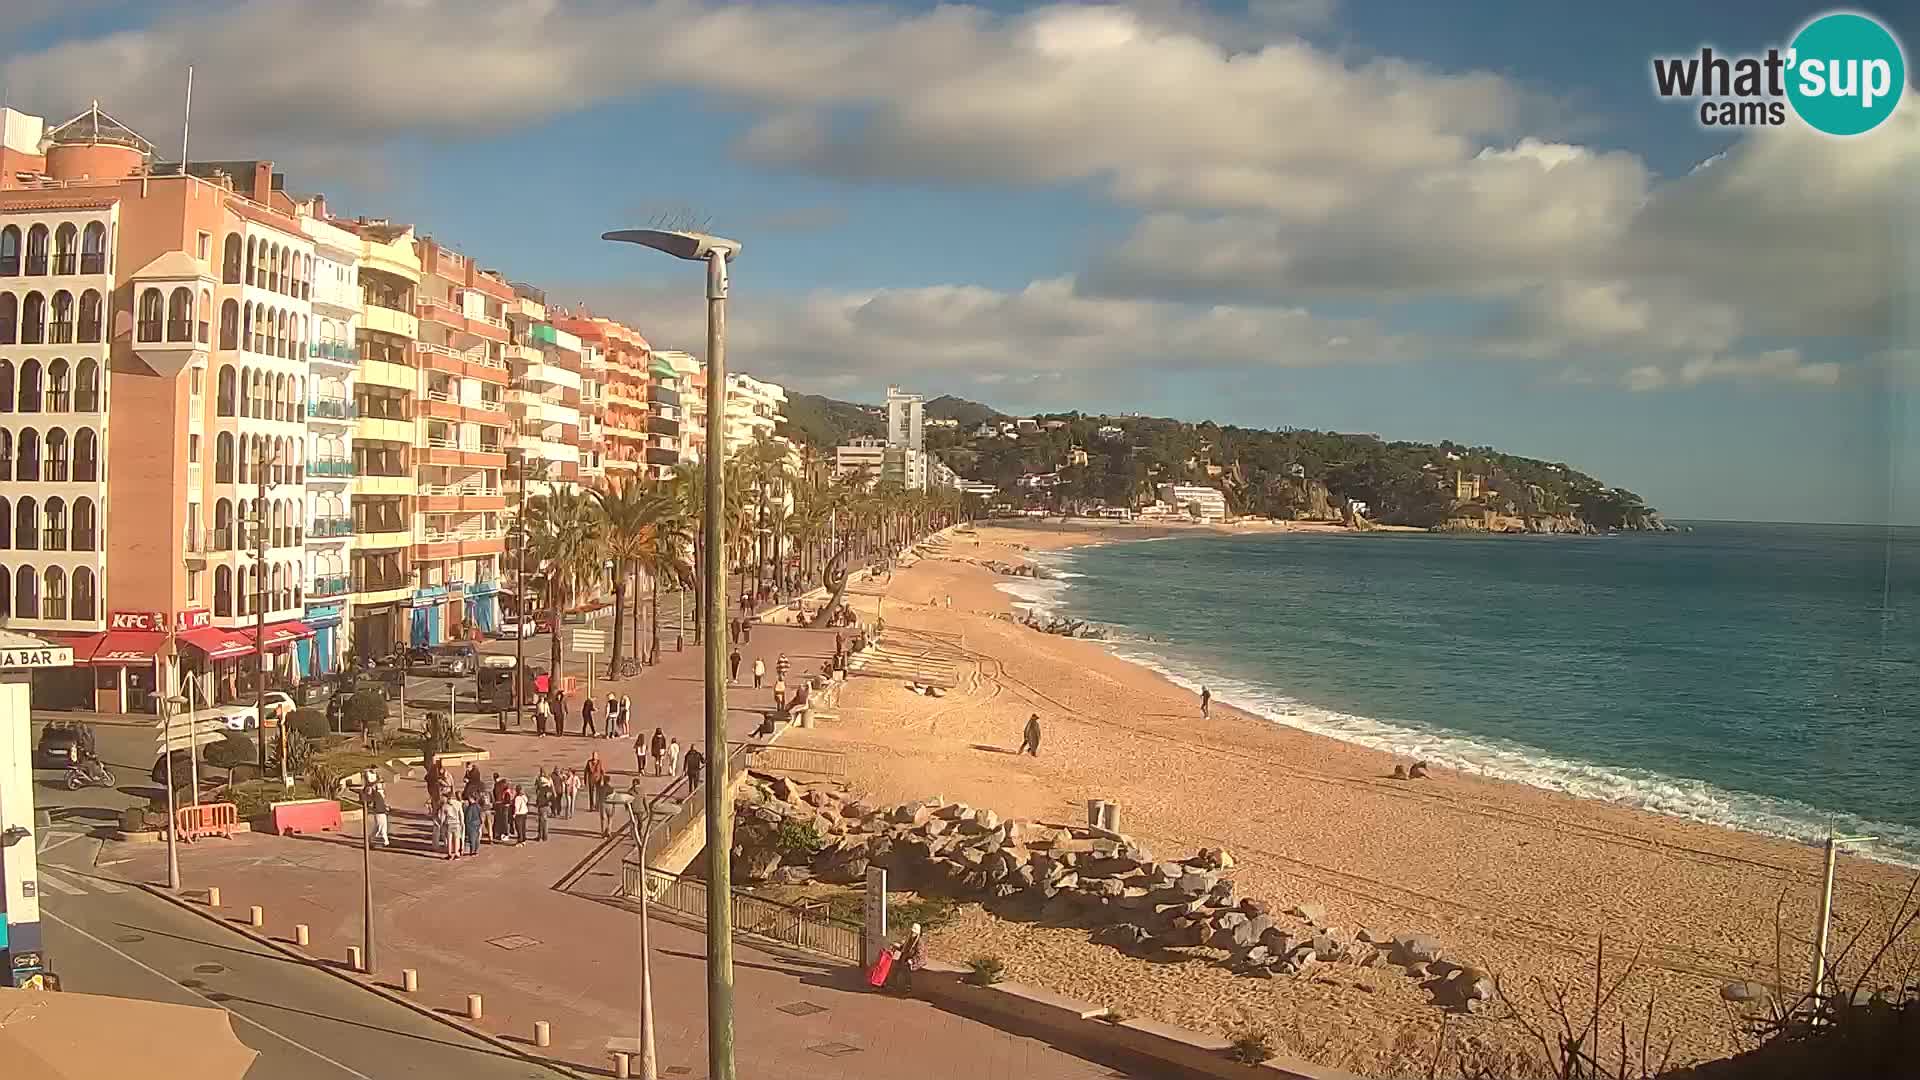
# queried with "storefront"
point(425, 625)
point(377, 629)
point(320, 655)
point(214, 660)
point(483, 606)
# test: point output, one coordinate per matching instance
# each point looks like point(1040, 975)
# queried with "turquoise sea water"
point(1761, 676)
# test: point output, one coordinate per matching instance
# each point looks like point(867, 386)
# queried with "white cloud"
point(1774, 366)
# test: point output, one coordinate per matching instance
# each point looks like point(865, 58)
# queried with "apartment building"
point(1206, 503)
point(754, 408)
point(460, 457)
point(333, 360)
point(690, 381)
point(378, 460)
point(544, 398)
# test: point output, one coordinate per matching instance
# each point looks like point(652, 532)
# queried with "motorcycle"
point(88, 773)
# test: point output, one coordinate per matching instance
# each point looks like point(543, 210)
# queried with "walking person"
point(435, 806)
point(1030, 742)
point(910, 956)
point(586, 717)
point(606, 805)
point(626, 713)
point(780, 695)
point(377, 806)
point(659, 749)
point(540, 712)
point(782, 666)
point(559, 712)
point(696, 766)
point(502, 809)
point(596, 769)
point(733, 667)
point(673, 757)
point(759, 672)
point(613, 716)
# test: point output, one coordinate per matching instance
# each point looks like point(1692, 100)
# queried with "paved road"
point(109, 937)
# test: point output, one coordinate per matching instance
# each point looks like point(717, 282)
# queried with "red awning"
point(282, 634)
point(216, 643)
point(119, 648)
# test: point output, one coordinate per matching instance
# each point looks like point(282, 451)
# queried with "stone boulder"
point(850, 872)
point(986, 819)
point(1314, 914)
point(1196, 883)
point(1247, 933)
point(912, 814)
point(1744, 993)
point(1251, 907)
point(1124, 936)
point(790, 875)
point(756, 863)
point(1415, 949)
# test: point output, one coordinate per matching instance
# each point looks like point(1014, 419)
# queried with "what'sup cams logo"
point(1843, 74)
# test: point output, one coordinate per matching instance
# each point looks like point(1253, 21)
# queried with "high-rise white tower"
point(906, 431)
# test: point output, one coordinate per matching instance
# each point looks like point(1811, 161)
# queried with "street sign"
point(874, 930)
point(48, 657)
point(590, 641)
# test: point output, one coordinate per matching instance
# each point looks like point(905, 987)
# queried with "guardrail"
point(206, 819)
point(798, 759)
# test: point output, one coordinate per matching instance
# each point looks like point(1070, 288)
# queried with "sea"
point(1760, 676)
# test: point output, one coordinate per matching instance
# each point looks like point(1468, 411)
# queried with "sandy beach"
point(1524, 882)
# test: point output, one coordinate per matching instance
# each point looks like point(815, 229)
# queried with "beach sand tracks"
point(914, 656)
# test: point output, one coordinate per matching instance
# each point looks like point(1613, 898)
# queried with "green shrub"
point(797, 838)
point(309, 722)
point(931, 912)
point(321, 777)
point(366, 711)
point(299, 751)
point(232, 752)
point(442, 736)
point(1251, 1046)
point(988, 970)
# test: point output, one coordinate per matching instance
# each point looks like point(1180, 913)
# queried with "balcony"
point(332, 409)
point(658, 425)
point(93, 263)
point(333, 352)
point(662, 395)
point(330, 467)
point(364, 584)
point(328, 585)
point(660, 455)
point(324, 528)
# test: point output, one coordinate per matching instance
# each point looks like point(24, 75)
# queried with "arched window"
point(223, 591)
point(9, 318)
point(223, 390)
point(246, 327)
point(54, 604)
point(223, 458)
point(93, 317)
point(230, 261)
point(26, 524)
point(277, 523)
point(85, 525)
point(180, 315)
point(306, 281)
point(229, 326)
point(37, 249)
point(259, 394)
point(201, 315)
point(55, 467)
point(30, 386)
point(280, 334)
point(26, 465)
point(6, 529)
point(257, 262)
point(93, 249)
point(6, 454)
point(33, 319)
point(152, 308)
point(223, 525)
point(62, 325)
point(6, 386)
point(9, 251)
point(244, 451)
point(284, 280)
point(283, 597)
point(59, 386)
point(26, 594)
point(86, 456)
point(55, 538)
point(86, 607)
point(86, 389)
point(65, 239)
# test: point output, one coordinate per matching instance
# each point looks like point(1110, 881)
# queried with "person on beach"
point(759, 672)
point(733, 667)
point(586, 717)
point(377, 806)
point(673, 757)
point(659, 748)
point(1030, 741)
point(595, 770)
point(1206, 703)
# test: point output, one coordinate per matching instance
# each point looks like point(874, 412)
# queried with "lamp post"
point(170, 705)
point(261, 576)
point(1826, 917)
point(367, 781)
point(715, 252)
point(641, 838)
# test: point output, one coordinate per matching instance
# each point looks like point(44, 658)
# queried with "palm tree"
point(567, 545)
point(625, 515)
point(687, 489)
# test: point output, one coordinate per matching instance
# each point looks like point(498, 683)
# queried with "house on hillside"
point(1110, 431)
point(1055, 425)
point(1076, 456)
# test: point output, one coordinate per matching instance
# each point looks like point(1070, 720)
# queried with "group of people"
point(662, 752)
point(502, 812)
point(615, 721)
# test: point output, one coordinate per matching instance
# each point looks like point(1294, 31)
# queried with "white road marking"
point(49, 880)
point(236, 1015)
point(100, 883)
point(51, 839)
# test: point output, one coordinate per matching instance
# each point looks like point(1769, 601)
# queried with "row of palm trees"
point(783, 518)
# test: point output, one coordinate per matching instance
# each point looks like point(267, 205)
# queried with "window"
point(85, 606)
point(180, 315)
point(56, 536)
point(26, 524)
point(229, 325)
point(9, 318)
point(85, 524)
point(151, 309)
point(26, 464)
point(86, 456)
point(55, 467)
point(93, 323)
point(222, 591)
point(9, 251)
point(37, 249)
point(222, 526)
point(6, 386)
point(193, 587)
point(203, 243)
point(64, 257)
point(54, 605)
point(201, 316)
point(86, 396)
point(223, 392)
point(62, 325)
point(59, 395)
point(193, 449)
point(33, 320)
point(26, 593)
point(93, 249)
point(198, 385)
point(30, 386)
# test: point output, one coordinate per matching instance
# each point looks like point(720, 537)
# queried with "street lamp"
point(715, 252)
point(170, 705)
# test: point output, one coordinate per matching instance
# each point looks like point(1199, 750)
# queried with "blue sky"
point(1470, 221)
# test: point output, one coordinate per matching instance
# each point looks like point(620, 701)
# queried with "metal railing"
point(465, 487)
point(337, 408)
point(329, 585)
point(330, 526)
point(332, 350)
point(798, 759)
point(330, 467)
point(806, 928)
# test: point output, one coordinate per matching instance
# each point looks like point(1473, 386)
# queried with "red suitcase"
point(877, 974)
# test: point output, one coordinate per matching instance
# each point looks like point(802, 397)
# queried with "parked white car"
point(511, 629)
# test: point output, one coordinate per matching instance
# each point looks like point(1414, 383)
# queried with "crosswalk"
point(71, 882)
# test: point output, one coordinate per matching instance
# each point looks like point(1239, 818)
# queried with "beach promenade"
point(1531, 885)
point(500, 925)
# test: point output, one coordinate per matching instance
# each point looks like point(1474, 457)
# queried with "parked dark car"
point(61, 744)
point(451, 661)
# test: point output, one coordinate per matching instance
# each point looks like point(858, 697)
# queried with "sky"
point(1470, 220)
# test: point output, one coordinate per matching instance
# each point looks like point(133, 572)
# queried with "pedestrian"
point(540, 712)
point(733, 667)
point(782, 666)
point(473, 816)
point(502, 809)
point(640, 756)
point(612, 717)
point(626, 713)
point(606, 805)
point(910, 956)
point(696, 766)
point(436, 782)
point(673, 757)
point(780, 695)
point(759, 672)
point(595, 770)
point(1030, 742)
point(746, 631)
point(659, 748)
point(839, 646)
point(447, 829)
point(435, 807)
point(377, 806)
point(1206, 702)
point(546, 797)
point(559, 712)
point(586, 717)
point(521, 807)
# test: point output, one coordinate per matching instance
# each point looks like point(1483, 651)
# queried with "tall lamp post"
point(715, 252)
point(261, 580)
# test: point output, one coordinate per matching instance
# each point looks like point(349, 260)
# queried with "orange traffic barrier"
point(206, 819)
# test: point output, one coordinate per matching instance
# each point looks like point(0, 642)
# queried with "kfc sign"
point(193, 619)
point(137, 620)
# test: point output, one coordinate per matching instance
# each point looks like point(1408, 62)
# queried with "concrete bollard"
point(213, 896)
point(1096, 810)
point(410, 980)
point(623, 1066)
point(256, 916)
point(301, 936)
point(353, 958)
point(542, 1035)
point(474, 1011)
point(1110, 816)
